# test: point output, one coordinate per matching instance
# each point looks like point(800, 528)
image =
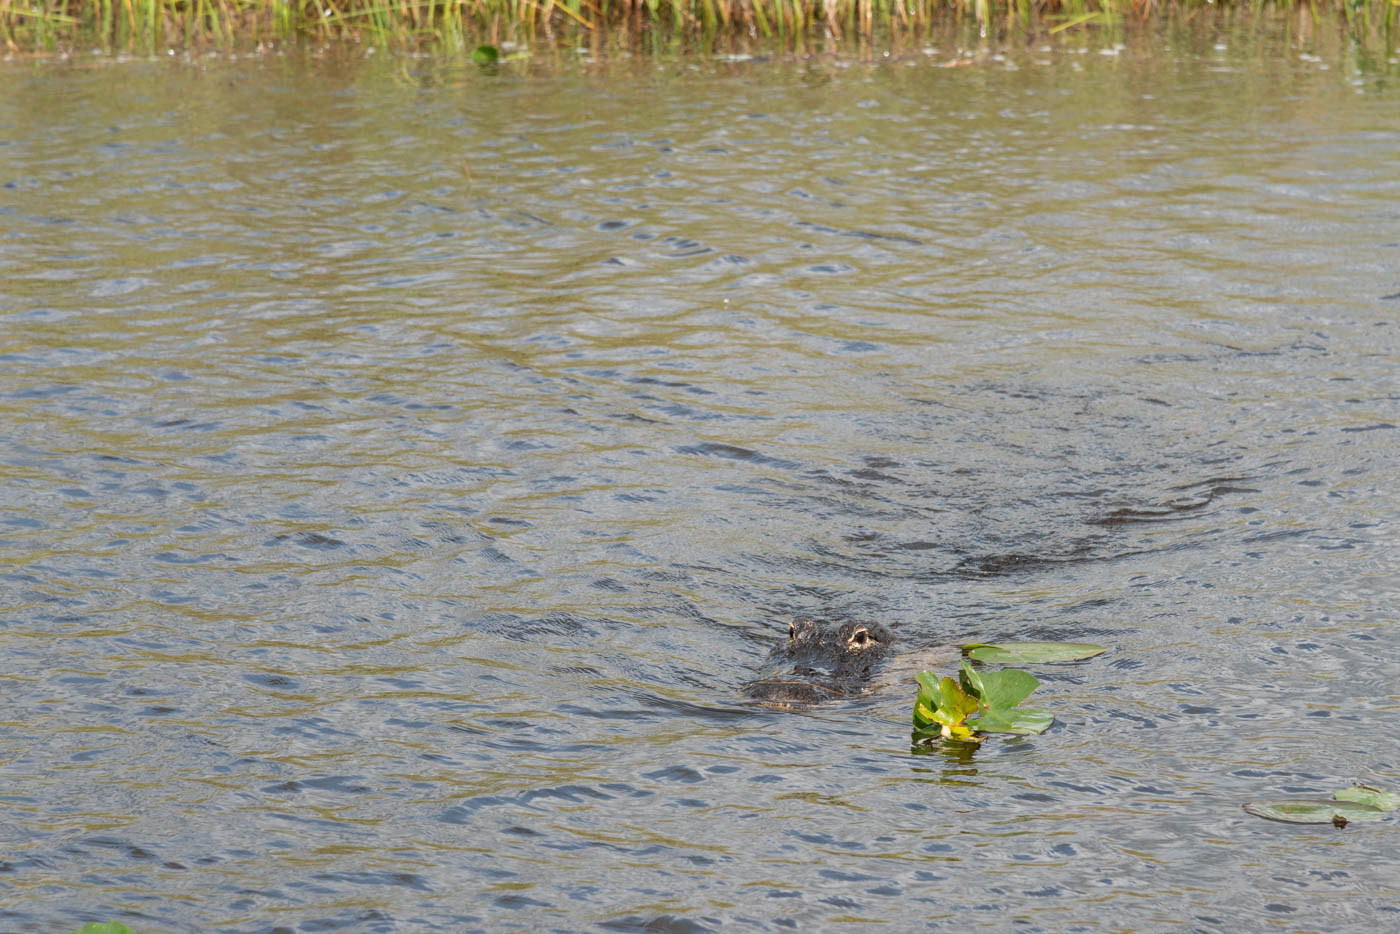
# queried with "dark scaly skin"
point(821, 661)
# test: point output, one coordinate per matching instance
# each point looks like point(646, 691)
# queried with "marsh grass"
point(148, 25)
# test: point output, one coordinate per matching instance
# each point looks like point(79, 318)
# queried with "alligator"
point(825, 660)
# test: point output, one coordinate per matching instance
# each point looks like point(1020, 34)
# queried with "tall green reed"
point(145, 25)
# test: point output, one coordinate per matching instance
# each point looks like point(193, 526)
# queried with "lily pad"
point(1021, 653)
point(486, 55)
point(1026, 721)
point(998, 690)
point(1313, 811)
point(1369, 794)
point(111, 927)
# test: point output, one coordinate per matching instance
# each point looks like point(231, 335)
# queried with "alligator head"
point(821, 661)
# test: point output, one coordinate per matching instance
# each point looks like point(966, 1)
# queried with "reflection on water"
point(385, 548)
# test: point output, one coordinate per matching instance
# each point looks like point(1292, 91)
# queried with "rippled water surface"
point(404, 468)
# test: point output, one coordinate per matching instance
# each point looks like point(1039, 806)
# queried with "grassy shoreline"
point(150, 25)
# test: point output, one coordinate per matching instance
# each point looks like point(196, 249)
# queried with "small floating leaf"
point(1369, 794)
point(486, 55)
point(1021, 653)
point(111, 927)
point(998, 690)
point(1023, 720)
point(998, 693)
point(1312, 810)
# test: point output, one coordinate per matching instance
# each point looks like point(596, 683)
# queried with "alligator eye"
point(792, 630)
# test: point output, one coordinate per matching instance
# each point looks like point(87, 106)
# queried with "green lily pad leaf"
point(111, 927)
point(1021, 653)
point(1023, 720)
point(486, 55)
point(1369, 794)
point(1313, 811)
point(999, 690)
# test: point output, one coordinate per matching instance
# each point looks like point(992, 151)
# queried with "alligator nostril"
point(860, 636)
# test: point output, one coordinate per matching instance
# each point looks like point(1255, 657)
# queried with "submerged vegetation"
point(148, 25)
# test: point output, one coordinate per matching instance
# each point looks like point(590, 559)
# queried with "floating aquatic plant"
point(978, 702)
point(988, 701)
point(1356, 803)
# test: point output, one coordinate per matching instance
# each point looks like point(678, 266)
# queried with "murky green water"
point(384, 549)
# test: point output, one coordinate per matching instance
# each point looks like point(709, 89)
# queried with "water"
point(386, 541)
